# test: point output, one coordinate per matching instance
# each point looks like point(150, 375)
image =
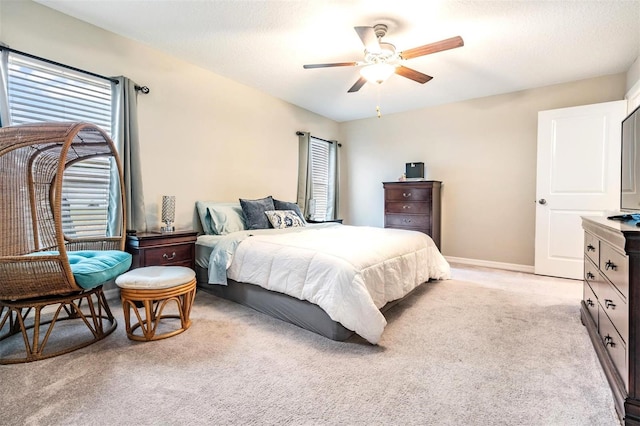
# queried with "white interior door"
point(578, 174)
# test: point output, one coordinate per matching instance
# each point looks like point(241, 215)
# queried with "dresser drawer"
point(591, 247)
point(591, 301)
point(591, 274)
point(615, 307)
point(615, 346)
point(169, 255)
point(407, 194)
point(407, 207)
point(615, 266)
point(406, 221)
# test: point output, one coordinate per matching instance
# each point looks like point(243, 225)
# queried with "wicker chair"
point(38, 289)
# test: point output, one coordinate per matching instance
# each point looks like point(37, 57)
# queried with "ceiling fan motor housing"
point(387, 54)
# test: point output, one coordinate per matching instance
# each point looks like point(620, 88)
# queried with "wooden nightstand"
point(163, 248)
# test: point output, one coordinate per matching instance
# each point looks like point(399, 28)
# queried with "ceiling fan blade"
point(336, 64)
point(361, 81)
point(369, 38)
point(438, 46)
point(413, 74)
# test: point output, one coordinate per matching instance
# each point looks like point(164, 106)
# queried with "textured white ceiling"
point(509, 45)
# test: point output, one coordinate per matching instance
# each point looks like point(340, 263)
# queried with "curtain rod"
point(299, 133)
point(49, 61)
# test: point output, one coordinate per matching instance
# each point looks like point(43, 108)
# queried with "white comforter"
point(349, 271)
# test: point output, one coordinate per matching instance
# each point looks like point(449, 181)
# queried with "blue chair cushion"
point(92, 268)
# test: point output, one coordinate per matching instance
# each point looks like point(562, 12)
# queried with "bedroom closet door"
point(578, 174)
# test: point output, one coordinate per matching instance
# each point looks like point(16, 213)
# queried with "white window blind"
point(320, 180)
point(39, 91)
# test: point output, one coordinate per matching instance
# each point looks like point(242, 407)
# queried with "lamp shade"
point(377, 73)
point(168, 208)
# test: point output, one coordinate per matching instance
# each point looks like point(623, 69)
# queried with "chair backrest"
point(33, 244)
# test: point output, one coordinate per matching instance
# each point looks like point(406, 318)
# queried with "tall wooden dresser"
point(413, 205)
point(610, 308)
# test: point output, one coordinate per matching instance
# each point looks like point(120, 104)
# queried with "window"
point(322, 173)
point(39, 91)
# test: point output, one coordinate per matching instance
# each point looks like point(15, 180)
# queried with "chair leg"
point(97, 317)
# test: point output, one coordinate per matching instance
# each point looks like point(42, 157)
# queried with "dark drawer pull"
point(406, 207)
point(610, 265)
point(406, 220)
point(589, 302)
point(590, 276)
point(608, 341)
point(173, 256)
point(591, 248)
point(608, 303)
point(406, 194)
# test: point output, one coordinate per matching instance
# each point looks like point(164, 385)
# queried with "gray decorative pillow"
point(253, 211)
point(285, 205)
point(281, 219)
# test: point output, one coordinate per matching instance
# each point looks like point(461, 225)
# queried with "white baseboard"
point(490, 264)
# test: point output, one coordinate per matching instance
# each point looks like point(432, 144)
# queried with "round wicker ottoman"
point(153, 288)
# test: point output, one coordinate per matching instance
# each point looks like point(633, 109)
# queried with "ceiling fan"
point(381, 59)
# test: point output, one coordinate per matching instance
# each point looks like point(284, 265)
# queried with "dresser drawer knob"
point(406, 220)
point(608, 341)
point(610, 265)
point(166, 257)
point(590, 276)
point(406, 194)
point(589, 302)
point(406, 207)
point(591, 248)
point(608, 303)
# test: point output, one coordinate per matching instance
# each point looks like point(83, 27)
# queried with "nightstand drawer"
point(168, 255)
point(407, 207)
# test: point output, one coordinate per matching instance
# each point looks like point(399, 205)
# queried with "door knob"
point(542, 201)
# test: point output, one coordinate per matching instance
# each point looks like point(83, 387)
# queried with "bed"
point(329, 278)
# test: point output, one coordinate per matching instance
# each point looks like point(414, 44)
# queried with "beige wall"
point(484, 151)
point(203, 136)
point(208, 137)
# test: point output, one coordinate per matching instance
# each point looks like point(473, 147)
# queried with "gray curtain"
point(4, 96)
point(125, 135)
point(306, 196)
point(332, 205)
point(304, 182)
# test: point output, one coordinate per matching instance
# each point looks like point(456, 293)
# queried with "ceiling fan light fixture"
point(377, 73)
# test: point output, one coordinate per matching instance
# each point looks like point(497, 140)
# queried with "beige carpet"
point(485, 348)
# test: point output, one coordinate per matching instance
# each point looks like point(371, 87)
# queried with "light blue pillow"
point(225, 219)
point(203, 214)
point(220, 218)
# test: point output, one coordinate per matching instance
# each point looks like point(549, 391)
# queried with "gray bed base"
point(278, 305)
point(281, 306)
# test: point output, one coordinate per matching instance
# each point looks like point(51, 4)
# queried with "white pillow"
point(281, 219)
